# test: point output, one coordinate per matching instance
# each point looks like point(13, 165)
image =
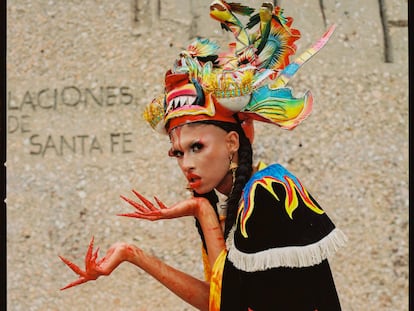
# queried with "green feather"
point(253, 21)
point(225, 27)
point(240, 9)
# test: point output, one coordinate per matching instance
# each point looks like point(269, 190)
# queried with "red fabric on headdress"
point(221, 114)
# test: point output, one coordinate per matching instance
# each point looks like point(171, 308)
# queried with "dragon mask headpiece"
point(248, 81)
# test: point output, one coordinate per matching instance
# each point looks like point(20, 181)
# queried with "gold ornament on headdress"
point(154, 113)
point(248, 80)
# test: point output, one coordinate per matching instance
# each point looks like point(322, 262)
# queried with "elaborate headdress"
point(248, 81)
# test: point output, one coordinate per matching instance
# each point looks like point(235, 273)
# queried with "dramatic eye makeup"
point(196, 146)
point(174, 153)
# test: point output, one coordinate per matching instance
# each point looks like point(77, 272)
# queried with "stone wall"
point(79, 74)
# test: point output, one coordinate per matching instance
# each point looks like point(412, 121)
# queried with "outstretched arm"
point(198, 207)
point(188, 288)
point(185, 286)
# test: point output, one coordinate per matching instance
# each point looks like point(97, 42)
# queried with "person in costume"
point(266, 241)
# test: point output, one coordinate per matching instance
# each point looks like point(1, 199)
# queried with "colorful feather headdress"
point(248, 81)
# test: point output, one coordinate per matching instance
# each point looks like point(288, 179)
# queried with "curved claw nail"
point(95, 255)
point(71, 265)
point(77, 282)
point(145, 201)
point(89, 253)
point(137, 206)
point(160, 204)
point(133, 215)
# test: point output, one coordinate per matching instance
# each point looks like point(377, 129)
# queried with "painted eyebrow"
point(172, 152)
point(198, 141)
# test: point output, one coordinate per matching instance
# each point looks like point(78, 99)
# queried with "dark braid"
point(243, 173)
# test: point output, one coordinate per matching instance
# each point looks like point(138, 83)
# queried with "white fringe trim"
point(289, 256)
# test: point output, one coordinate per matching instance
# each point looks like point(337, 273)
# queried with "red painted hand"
point(94, 268)
point(149, 211)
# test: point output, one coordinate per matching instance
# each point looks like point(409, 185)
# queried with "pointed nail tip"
point(63, 259)
point(137, 194)
point(126, 215)
point(66, 287)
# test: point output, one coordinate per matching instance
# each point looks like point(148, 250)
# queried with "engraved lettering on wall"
point(24, 107)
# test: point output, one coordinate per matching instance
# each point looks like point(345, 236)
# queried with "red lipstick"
point(194, 181)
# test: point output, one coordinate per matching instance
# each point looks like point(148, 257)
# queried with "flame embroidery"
point(292, 186)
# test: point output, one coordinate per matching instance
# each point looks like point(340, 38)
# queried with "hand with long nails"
point(197, 207)
point(94, 268)
point(120, 252)
point(147, 210)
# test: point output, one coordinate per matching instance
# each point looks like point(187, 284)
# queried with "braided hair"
point(243, 173)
